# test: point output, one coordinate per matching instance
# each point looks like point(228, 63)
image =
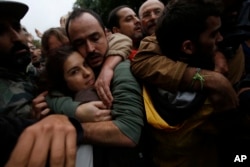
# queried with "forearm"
point(105, 133)
point(151, 66)
point(211, 80)
point(158, 70)
point(62, 105)
point(111, 62)
point(119, 45)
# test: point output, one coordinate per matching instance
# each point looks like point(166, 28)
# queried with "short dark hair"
point(182, 21)
point(113, 18)
point(78, 12)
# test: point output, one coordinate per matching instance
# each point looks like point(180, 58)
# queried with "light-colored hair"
point(58, 32)
point(63, 19)
point(146, 3)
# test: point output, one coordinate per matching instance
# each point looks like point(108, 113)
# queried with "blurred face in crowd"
point(14, 52)
point(149, 13)
point(207, 44)
point(77, 74)
point(54, 42)
point(35, 53)
point(129, 24)
point(89, 39)
point(211, 36)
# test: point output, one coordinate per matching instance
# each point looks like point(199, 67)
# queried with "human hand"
point(39, 106)
point(53, 136)
point(102, 86)
point(38, 33)
point(221, 93)
point(221, 64)
point(94, 111)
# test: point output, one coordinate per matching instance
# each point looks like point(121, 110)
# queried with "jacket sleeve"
point(152, 67)
point(62, 105)
point(127, 110)
point(119, 44)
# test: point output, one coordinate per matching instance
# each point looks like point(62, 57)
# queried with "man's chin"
point(95, 62)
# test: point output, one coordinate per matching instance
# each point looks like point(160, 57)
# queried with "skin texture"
point(90, 40)
point(129, 24)
point(54, 136)
point(77, 74)
point(149, 12)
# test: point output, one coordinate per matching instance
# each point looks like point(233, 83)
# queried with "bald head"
point(147, 4)
point(149, 13)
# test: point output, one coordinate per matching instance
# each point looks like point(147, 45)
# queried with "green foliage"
point(103, 7)
point(37, 43)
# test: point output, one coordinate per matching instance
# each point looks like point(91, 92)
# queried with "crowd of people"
point(169, 86)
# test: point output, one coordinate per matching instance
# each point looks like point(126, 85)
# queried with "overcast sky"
point(44, 14)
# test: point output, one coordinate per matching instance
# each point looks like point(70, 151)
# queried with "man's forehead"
point(151, 4)
point(124, 12)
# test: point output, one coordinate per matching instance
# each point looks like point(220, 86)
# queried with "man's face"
point(149, 15)
point(87, 35)
point(208, 41)
point(129, 24)
point(14, 52)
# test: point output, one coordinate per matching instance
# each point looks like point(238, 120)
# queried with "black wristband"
point(79, 130)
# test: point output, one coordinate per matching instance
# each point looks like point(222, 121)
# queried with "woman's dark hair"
point(54, 69)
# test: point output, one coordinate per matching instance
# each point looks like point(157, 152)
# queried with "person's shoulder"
point(119, 37)
point(151, 38)
point(123, 65)
point(122, 69)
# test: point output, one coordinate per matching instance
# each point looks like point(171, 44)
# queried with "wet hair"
point(54, 69)
point(182, 21)
point(77, 12)
point(58, 32)
point(113, 18)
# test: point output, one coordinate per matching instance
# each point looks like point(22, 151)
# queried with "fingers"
point(45, 112)
point(39, 105)
point(99, 104)
point(57, 154)
point(40, 97)
point(54, 134)
point(41, 147)
point(107, 118)
point(71, 148)
point(21, 154)
point(104, 92)
point(104, 115)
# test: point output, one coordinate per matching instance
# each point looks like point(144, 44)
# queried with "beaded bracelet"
point(198, 77)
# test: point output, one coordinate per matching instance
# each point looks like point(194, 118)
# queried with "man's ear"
point(115, 30)
point(187, 47)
